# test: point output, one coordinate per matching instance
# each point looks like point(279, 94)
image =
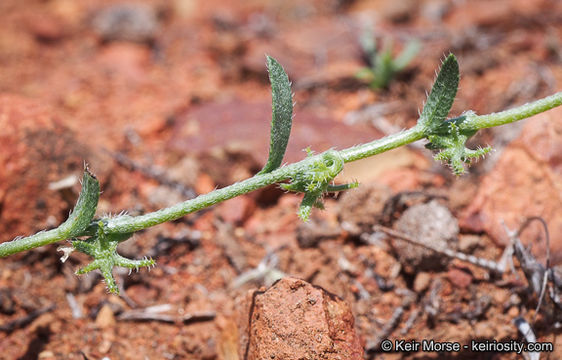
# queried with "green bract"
point(450, 139)
point(103, 248)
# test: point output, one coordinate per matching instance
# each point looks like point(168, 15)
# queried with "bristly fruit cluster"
point(312, 176)
point(316, 180)
point(448, 136)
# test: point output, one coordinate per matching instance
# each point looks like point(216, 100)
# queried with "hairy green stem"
point(31, 242)
point(127, 224)
point(384, 144)
point(131, 224)
point(518, 113)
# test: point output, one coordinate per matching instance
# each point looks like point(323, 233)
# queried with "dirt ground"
point(168, 99)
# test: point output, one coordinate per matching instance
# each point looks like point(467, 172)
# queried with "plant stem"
point(126, 224)
point(30, 242)
point(381, 145)
point(508, 116)
point(129, 224)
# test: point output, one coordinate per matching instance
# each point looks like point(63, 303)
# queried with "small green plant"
point(312, 176)
point(382, 66)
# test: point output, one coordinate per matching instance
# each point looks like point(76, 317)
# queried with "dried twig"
point(25, 320)
point(154, 313)
point(497, 267)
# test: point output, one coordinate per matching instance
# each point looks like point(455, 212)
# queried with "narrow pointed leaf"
point(442, 94)
point(85, 208)
point(282, 117)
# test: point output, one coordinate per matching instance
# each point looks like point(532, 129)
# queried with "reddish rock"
point(296, 320)
point(459, 278)
point(526, 181)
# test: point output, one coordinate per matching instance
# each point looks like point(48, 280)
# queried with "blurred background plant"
point(382, 67)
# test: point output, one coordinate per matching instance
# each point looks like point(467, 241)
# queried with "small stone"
point(432, 224)
point(459, 278)
point(513, 312)
point(127, 22)
point(422, 281)
point(46, 355)
point(467, 243)
point(105, 318)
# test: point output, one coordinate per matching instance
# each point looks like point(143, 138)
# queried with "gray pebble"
point(126, 22)
point(432, 224)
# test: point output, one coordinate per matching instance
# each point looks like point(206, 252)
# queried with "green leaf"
point(365, 74)
point(407, 55)
point(442, 95)
point(282, 118)
point(85, 208)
